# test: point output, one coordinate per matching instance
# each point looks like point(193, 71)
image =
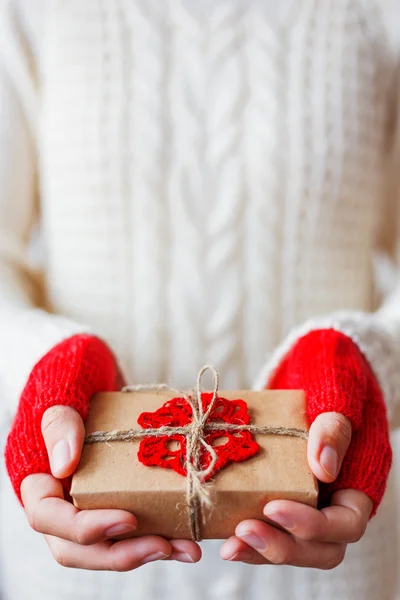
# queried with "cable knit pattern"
point(227, 95)
point(263, 164)
point(147, 76)
point(210, 186)
point(187, 98)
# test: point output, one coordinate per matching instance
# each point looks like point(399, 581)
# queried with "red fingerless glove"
point(336, 377)
point(69, 375)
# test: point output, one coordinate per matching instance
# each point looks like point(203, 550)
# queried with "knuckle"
point(311, 534)
point(53, 420)
point(280, 558)
point(340, 428)
point(119, 565)
point(82, 538)
point(60, 556)
point(81, 533)
point(335, 560)
point(59, 551)
point(33, 520)
point(358, 532)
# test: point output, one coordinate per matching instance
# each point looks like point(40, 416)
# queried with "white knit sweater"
point(211, 181)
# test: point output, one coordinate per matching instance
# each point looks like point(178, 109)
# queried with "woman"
point(211, 180)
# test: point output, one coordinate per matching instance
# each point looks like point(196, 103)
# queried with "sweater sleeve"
point(27, 331)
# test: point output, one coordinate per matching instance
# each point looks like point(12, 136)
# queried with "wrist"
point(336, 377)
point(69, 375)
point(332, 371)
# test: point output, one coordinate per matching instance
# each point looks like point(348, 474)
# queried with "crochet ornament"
point(157, 451)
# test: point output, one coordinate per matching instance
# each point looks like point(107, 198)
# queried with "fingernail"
point(119, 529)
point(251, 539)
point(243, 556)
point(182, 557)
point(154, 556)
point(329, 461)
point(280, 519)
point(60, 456)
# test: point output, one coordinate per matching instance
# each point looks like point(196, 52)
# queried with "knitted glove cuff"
point(69, 375)
point(336, 377)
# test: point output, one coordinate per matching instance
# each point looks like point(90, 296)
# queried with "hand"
point(80, 539)
point(311, 538)
point(345, 404)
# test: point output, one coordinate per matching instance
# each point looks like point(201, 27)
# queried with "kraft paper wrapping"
point(110, 475)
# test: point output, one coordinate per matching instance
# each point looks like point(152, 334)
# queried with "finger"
point(280, 548)
point(328, 441)
point(49, 513)
point(185, 551)
point(345, 522)
point(63, 432)
point(106, 556)
point(234, 549)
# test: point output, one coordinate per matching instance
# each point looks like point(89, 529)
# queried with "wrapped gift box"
point(110, 474)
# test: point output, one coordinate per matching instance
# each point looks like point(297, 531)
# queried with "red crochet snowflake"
point(160, 451)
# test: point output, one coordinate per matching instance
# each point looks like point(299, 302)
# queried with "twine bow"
point(197, 492)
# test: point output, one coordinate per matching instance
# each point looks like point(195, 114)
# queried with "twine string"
point(197, 491)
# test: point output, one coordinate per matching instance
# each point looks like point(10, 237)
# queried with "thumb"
point(328, 441)
point(63, 432)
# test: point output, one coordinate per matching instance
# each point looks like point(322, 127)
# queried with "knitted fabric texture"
point(185, 222)
point(68, 375)
point(157, 451)
point(337, 378)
